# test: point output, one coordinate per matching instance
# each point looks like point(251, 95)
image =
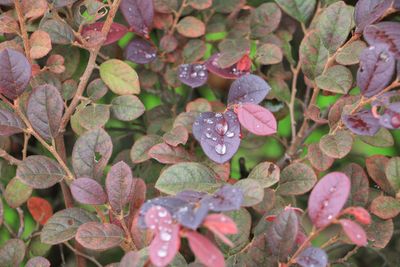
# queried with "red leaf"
point(220, 225)
point(244, 63)
point(360, 214)
point(328, 198)
point(256, 119)
point(117, 31)
point(206, 252)
point(40, 209)
point(354, 232)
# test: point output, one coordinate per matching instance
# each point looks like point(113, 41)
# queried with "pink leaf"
point(206, 252)
point(117, 31)
point(354, 232)
point(328, 198)
point(256, 119)
point(360, 214)
point(220, 225)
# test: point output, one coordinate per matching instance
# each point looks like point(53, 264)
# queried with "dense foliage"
point(199, 133)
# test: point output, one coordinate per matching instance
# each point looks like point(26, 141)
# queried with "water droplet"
point(330, 217)
point(221, 127)
point(326, 203)
point(218, 115)
point(208, 135)
point(214, 138)
point(358, 236)
point(332, 189)
point(193, 74)
point(162, 253)
point(371, 47)
point(202, 73)
point(196, 123)
point(220, 149)
point(258, 126)
point(384, 57)
point(162, 213)
point(230, 134)
point(165, 236)
point(210, 121)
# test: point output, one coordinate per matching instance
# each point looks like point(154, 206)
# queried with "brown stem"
point(21, 222)
point(9, 158)
point(92, 259)
point(25, 147)
point(23, 30)
point(295, 72)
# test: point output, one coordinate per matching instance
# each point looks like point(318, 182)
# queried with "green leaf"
point(187, 176)
point(93, 116)
point(142, 146)
point(350, 54)
point(383, 138)
point(232, 50)
point(12, 253)
point(269, 54)
point(392, 172)
point(120, 77)
point(253, 192)
point(313, 55)
point(127, 107)
point(336, 79)
point(334, 25)
point(63, 225)
point(266, 173)
point(301, 10)
point(336, 145)
point(265, 19)
point(40, 172)
point(385, 207)
point(296, 179)
point(380, 232)
point(17, 193)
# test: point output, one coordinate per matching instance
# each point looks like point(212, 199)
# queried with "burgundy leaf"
point(312, 256)
point(88, 191)
point(256, 119)
point(119, 185)
point(193, 75)
point(376, 69)
point(328, 198)
point(167, 154)
point(138, 194)
point(140, 51)
point(391, 117)
point(221, 225)
point(10, 123)
point(15, 73)
point(361, 123)
point(117, 31)
point(248, 89)
point(231, 72)
point(99, 236)
point(386, 33)
point(139, 15)
point(369, 11)
point(204, 250)
point(360, 214)
point(354, 232)
point(40, 209)
point(227, 198)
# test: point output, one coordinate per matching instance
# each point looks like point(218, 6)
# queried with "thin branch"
point(21, 222)
point(291, 105)
point(9, 158)
point(23, 30)
point(25, 147)
point(92, 259)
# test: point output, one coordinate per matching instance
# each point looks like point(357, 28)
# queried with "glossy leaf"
point(88, 191)
point(337, 145)
point(221, 225)
point(256, 119)
point(266, 173)
point(336, 79)
point(193, 75)
point(40, 172)
point(117, 31)
point(127, 107)
point(191, 27)
point(118, 185)
point(191, 215)
point(17, 193)
point(369, 11)
point(296, 179)
point(40, 209)
point(360, 214)
point(139, 15)
point(385, 207)
point(10, 123)
point(362, 123)
point(99, 236)
point(328, 198)
point(119, 77)
point(312, 256)
point(227, 198)
point(142, 146)
point(298, 9)
point(248, 89)
point(140, 51)
point(12, 252)
point(354, 232)
point(15, 73)
point(313, 55)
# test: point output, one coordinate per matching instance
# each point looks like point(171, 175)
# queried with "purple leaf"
point(376, 69)
point(369, 11)
point(193, 75)
point(227, 198)
point(391, 117)
point(248, 89)
point(10, 123)
point(118, 185)
point(231, 72)
point(219, 134)
point(140, 51)
point(387, 33)
point(191, 196)
point(354, 232)
point(362, 123)
point(88, 191)
point(15, 73)
point(191, 215)
point(312, 256)
point(117, 31)
point(139, 15)
point(99, 236)
point(328, 198)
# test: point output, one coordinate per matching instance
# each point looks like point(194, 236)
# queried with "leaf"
point(142, 146)
point(265, 19)
point(318, 159)
point(63, 225)
point(40, 172)
point(336, 79)
point(301, 10)
point(252, 190)
point(221, 225)
point(282, 234)
point(248, 89)
point(266, 173)
point(380, 232)
point(127, 107)
point(1, 212)
point(359, 185)
point(336, 145)
point(313, 55)
point(38, 262)
point(360, 214)
point(369, 11)
point(99, 236)
point(96, 89)
point(328, 198)
point(91, 153)
point(17, 193)
point(178, 135)
point(8, 24)
point(392, 171)
point(376, 69)
point(55, 63)
point(384, 33)
point(227, 198)
point(119, 182)
point(12, 253)
point(117, 31)
point(334, 25)
point(354, 232)
point(167, 154)
point(40, 43)
point(120, 77)
point(186, 176)
point(34, 9)
point(139, 15)
point(232, 72)
point(296, 179)
point(15, 73)
point(350, 54)
point(59, 31)
point(376, 166)
point(232, 51)
point(194, 50)
point(383, 138)
point(312, 256)
point(10, 123)
point(191, 27)
point(40, 209)
point(93, 116)
point(385, 207)
point(44, 110)
point(204, 250)
point(193, 75)
point(362, 123)
point(88, 191)
point(268, 54)
point(200, 4)
point(140, 51)
point(256, 119)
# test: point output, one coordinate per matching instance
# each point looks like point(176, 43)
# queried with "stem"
point(312, 235)
point(23, 30)
point(25, 148)
point(9, 158)
point(92, 259)
point(21, 222)
point(295, 72)
point(177, 16)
